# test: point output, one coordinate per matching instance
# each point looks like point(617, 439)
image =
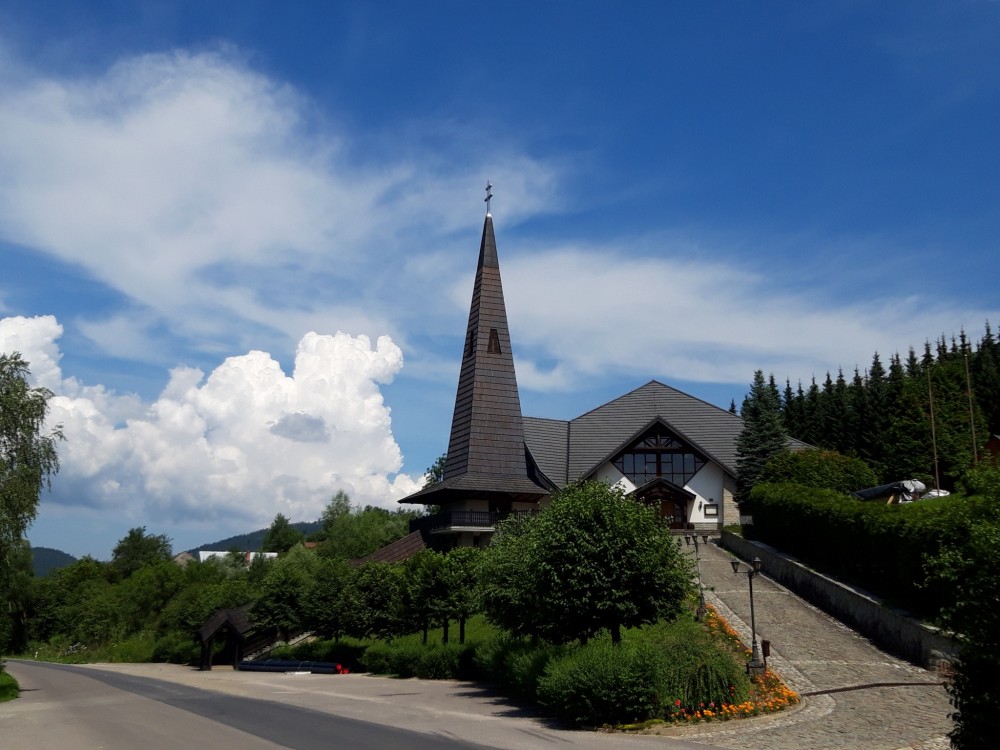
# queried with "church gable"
point(595, 436)
point(659, 454)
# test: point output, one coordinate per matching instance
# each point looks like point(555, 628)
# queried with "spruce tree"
point(763, 434)
point(813, 417)
point(791, 405)
point(985, 368)
point(873, 430)
point(907, 451)
point(837, 429)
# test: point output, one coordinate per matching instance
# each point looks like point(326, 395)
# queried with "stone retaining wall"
point(891, 629)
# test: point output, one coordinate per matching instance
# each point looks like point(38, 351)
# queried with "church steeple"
point(487, 437)
point(487, 459)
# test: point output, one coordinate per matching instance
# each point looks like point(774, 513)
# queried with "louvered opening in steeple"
point(494, 345)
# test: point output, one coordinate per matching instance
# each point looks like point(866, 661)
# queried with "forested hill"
point(45, 559)
point(252, 541)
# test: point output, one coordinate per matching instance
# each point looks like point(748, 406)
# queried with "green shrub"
point(516, 665)
point(973, 571)
point(176, 648)
point(983, 480)
point(698, 670)
point(601, 683)
point(405, 659)
point(440, 662)
point(409, 658)
point(135, 649)
point(399, 659)
point(699, 673)
point(378, 659)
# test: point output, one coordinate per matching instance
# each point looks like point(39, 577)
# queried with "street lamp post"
point(755, 666)
point(688, 540)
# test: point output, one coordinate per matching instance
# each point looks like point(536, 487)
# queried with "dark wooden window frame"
point(659, 454)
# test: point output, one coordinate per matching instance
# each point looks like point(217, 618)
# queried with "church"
point(667, 449)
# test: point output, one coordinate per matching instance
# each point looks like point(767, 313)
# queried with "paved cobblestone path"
point(814, 653)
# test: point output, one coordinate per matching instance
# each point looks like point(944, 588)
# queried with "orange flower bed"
point(767, 692)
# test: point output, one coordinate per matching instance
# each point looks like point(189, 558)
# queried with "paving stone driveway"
point(814, 653)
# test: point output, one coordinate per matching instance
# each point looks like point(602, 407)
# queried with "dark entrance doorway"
point(671, 501)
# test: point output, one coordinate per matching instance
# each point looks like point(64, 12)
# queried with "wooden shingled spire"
point(487, 457)
point(487, 438)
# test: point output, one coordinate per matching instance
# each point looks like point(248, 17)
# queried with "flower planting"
point(767, 693)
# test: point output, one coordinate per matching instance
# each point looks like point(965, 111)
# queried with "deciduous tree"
point(973, 570)
point(361, 531)
point(281, 535)
point(435, 472)
point(137, 549)
point(593, 560)
point(28, 456)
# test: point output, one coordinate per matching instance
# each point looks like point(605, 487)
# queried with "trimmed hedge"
point(882, 548)
point(822, 469)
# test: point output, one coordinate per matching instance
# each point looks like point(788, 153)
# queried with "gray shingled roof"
point(548, 442)
point(592, 438)
point(237, 618)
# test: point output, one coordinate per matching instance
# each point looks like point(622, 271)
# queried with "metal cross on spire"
point(489, 194)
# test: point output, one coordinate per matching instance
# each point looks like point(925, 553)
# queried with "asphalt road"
point(159, 706)
point(72, 708)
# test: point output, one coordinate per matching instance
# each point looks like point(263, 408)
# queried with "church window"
point(659, 454)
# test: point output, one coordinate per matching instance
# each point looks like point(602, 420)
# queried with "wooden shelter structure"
point(235, 626)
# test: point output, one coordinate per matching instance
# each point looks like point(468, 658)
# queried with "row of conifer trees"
point(896, 418)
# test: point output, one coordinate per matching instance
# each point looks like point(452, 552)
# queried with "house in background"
point(248, 557)
point(667, 449)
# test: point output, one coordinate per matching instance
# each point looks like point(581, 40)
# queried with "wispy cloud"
point(214, 200)
point(596, 311)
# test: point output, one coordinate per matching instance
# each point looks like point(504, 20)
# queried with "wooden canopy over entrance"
point(670, 500)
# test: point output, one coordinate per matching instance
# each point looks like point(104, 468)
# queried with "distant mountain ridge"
point(45, 559)
point(252, 541)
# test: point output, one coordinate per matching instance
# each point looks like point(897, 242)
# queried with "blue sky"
point(195, 198)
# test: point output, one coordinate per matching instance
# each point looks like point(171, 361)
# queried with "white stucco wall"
point(707, 485)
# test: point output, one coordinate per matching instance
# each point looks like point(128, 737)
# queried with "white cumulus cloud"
point(240, 445)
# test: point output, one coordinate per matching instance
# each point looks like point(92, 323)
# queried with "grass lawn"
point(8, 687)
